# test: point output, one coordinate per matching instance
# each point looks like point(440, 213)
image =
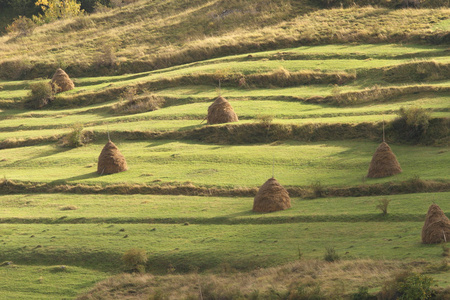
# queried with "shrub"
point(21, 26)
point(412, 123)
point(408, 285)
point(57, 9)
point(383, 205)
point(134, 260)
point(265, 120)
point(41, 94)
point(416, 286)
point(331, 255)
point(317, 190)
point(75, 138)
point(363, 294)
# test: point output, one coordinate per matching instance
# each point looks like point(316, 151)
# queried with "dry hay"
point(111, 160)
point(271, 196)
point(61, 81)
point(437, 226)
point(221, 111)
point(384, 163)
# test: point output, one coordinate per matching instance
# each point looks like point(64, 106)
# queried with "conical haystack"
point(271, 196)
point(61, 81)
point(384, 163)
point(437, 226)
point(221, 111)
point(111, 160)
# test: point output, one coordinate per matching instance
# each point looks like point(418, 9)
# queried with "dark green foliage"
point(406, 286)
point(317, 190)
point(331, 254)
point(41, 95)
point(363, 294)
point(412, 123)
point(75, 138)
point(134, 260)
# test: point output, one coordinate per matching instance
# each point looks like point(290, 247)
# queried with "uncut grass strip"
point(413, 185)
point(25, 142)
point(251, 133)
point(376, 94)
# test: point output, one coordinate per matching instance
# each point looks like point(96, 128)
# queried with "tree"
point(57, 9)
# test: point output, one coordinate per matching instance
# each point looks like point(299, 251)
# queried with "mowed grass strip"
point(165, 161)
point(46, 281)
point(20, 124)
point(187, 247)
point(54, 208)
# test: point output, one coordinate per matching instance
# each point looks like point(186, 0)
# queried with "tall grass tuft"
point(75, 138)
point(383, 205)
point(331, 255)
point(138, 104)
point(134, 260)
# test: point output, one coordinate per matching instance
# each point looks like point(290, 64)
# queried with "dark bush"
point(331, 254)
point(407, 285)
point(41, 94)
point(412, 124)
point(134, 260)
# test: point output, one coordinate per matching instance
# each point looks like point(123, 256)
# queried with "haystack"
point(271, 196)
point(384, 163)
point(437, 226)
point(61, 81)
point(221, 111)
point(111, 160)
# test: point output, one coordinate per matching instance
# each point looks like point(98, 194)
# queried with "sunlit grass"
point(295, 164)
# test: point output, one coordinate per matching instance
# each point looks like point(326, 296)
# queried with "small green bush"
point(75, 138)
point(412, 124)
point(331, 254)
point(416, 286)
point(363, 294)
point(383, 205)
point(134, 260)
point(406, 286)
point(41, 94)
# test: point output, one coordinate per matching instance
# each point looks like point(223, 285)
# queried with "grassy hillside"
point(151, 35)
point(314, 90)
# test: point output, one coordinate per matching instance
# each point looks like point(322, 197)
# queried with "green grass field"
point(306, 72)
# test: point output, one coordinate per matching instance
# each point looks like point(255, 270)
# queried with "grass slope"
point(299, 69)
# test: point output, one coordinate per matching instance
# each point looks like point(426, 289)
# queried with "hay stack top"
point(111, 160)
point(384, 163)
point(437, 226)
point(61, 81)
point(221, 111)
point(271, 196)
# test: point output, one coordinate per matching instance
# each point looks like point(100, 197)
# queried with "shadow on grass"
point(79, 177)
